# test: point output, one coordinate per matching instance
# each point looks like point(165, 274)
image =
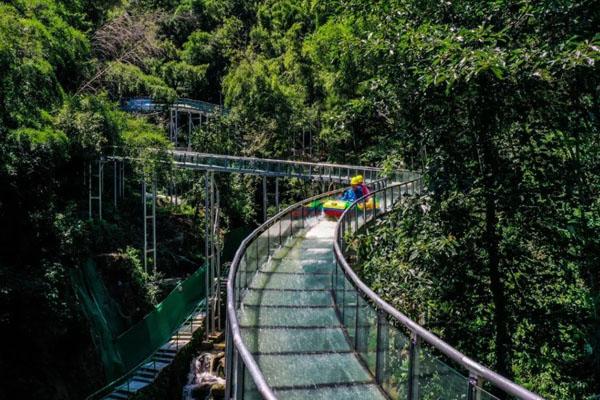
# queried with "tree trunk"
point(503, 340)
point(487, 124)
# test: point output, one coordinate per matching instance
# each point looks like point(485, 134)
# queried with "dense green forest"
point(497, 102)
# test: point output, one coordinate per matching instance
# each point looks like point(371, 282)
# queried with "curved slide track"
point(290, 324)
point(302, 325)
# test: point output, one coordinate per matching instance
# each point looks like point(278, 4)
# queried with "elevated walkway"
point(325, 172)
point(185, 115)
point(148, 105)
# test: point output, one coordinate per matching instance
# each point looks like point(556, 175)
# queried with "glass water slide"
point(301, 324)
point(289, 322)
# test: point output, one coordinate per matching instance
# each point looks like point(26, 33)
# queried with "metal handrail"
point(276, 161)
point(475, 369)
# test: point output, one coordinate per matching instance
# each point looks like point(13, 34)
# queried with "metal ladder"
point(149, 222)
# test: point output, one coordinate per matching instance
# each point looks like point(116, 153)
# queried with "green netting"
point(122, 351)
point(156, 328)
point(102, 314)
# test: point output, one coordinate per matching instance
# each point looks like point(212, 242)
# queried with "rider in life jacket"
point(361, 183)
point(358, 189)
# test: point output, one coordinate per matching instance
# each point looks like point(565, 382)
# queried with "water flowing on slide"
point(290, 324)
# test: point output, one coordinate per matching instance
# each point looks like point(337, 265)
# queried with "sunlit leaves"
point(126, 80)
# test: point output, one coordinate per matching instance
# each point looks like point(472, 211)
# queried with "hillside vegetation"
point(495, 101)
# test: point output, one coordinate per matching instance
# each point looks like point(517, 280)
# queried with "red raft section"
point(335, 208)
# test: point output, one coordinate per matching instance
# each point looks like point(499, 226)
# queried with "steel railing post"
point(277, 205)
point(237, 293)
point(257, 257)
point(145, 226)
point(240, 384)
point(122, 179)
point(154, 250)
point(189, 138)
point(176, 133)
point(413, 367)
point(356, 320)
point(474, 382)
point(341, 230)
point(100, 184)
point(335, 287)
point(115, 184)
point(265, 201)
point(343, 299)
point(381, 347)
point(245, 271)
point(364, 210)
point(343, 227)
point(385, 207)
point(228, 360)
point(207, 252)
point(332, 288)
point(89, 190)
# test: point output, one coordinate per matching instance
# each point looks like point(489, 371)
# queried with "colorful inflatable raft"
point(335, 207)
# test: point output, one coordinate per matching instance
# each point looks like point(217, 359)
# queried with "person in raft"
point(358, 189)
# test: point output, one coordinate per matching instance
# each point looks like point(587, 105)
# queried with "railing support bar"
point(207, 248)
point(413, 367)
point(145, 222)
point(265, 201)
point(154, 249)
point(382, 345)
point(115, 184)
point(100, 184)
point(356, 318)
point(239, 381)
point(228, 360)
point(475, 381)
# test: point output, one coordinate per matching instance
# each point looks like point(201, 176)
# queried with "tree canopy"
point(496, 102)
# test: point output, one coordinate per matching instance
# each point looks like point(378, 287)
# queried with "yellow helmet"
point(357, 180)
